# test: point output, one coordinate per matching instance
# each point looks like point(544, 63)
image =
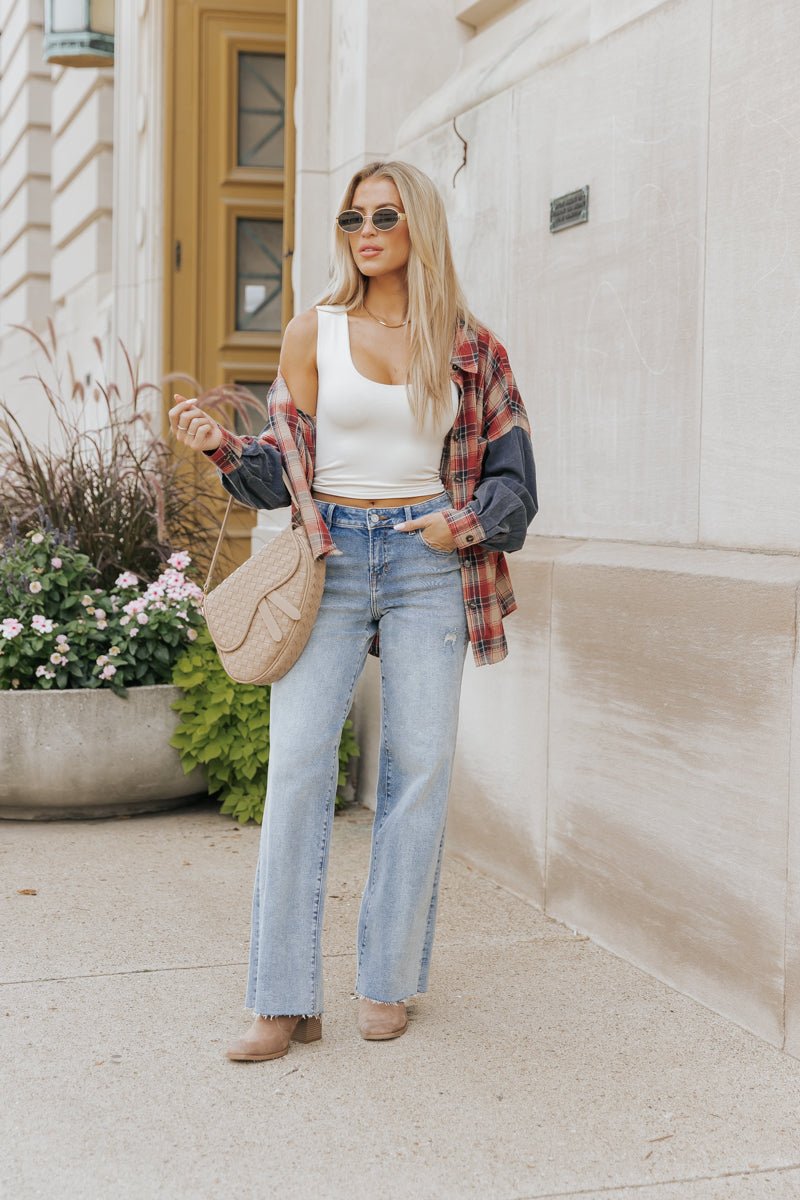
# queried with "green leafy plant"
point(59, 629)
point(224, 727)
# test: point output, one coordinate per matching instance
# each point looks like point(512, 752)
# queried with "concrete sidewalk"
point(537, 1065)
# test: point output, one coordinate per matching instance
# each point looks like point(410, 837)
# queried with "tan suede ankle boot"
point(269, 1037)
point(377, 1021)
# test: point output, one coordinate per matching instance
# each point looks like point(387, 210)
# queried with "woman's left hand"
point(438, 531)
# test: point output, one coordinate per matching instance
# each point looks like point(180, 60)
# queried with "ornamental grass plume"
point(107, 475)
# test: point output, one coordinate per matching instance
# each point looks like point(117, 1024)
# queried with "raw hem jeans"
point(392, 581)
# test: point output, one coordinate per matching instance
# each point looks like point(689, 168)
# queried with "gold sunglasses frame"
point(401, 217)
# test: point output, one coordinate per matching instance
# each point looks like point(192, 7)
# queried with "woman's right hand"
point(192, 426)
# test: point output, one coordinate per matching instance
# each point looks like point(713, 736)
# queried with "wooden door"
point(230, 195)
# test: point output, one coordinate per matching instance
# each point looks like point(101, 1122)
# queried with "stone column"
point(138, 234)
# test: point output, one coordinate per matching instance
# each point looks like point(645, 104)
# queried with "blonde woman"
point(398, 411)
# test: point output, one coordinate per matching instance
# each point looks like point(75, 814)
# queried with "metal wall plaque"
point(571, 209)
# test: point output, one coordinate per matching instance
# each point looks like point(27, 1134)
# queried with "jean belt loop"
point(408, 514)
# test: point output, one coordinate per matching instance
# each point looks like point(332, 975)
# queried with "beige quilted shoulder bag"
point(261, 616)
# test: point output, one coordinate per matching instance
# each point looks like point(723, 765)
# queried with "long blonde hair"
point(436, 303)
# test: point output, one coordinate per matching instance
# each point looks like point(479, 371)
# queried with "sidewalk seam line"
point(653, 1183)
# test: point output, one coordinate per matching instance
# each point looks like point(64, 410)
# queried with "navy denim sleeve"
point(505, 500)
point(256, 478)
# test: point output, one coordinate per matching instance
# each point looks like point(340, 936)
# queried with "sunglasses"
point(383, 219)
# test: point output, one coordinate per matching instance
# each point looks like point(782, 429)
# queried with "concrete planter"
point(89, 753)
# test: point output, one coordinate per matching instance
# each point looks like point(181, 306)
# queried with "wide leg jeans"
point(394, 582)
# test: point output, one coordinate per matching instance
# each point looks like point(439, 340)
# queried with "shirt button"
point(470, 537)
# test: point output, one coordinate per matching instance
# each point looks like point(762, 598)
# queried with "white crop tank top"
point(368, 443)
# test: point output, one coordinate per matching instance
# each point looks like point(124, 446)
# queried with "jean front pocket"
point(433, 549)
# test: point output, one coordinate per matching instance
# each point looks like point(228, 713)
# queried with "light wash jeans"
point(389, 580)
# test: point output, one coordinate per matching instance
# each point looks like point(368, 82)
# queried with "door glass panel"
point(251, 422)
point(259, 270)
point(261, 110)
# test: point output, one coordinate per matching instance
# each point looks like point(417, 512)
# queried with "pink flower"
point(142, 618)
point(133, 631)
point(108, 672)
point(126, 579)
point(11, 628)
point(124, 620)
point(41, 623)
point(180, 560)
point(55, 563)
point(57, 658)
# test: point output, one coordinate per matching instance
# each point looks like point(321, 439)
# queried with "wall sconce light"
point(79, 33)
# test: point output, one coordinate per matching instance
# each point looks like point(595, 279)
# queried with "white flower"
point(90, 610)
point(142, 618)
point(86, 601)
point(99, 614)
point(180, 560)
point(36, 538)
point(62, 643)
point(108, 672)
point(101, 660)
point(40, 671)
point(41, 623)
point(133, 631)
point(126, 579)
point(35, 586)
point(11, 628)
point(191, 634)
point(124, 620)
point(55, 563)
point(114, 650)
point(102, 624)
point(57, 658)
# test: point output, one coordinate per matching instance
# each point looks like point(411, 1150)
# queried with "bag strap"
point(292, 494)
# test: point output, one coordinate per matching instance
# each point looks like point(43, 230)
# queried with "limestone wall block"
point(30, 205)
point(750, 470)
point(670, 723)
point(498, 805)
point(86, 197)
point(607, 315)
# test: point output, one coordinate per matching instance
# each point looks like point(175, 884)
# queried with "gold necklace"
point(381, 321)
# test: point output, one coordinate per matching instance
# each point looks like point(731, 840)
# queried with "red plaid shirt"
point(491, 407)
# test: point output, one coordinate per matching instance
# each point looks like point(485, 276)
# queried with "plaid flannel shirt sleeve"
point(505, 499)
